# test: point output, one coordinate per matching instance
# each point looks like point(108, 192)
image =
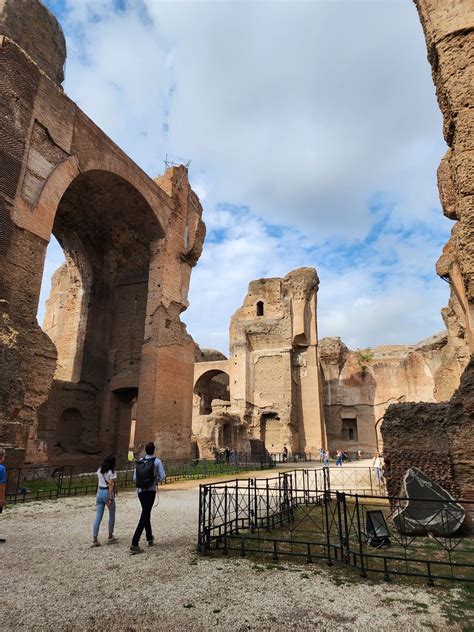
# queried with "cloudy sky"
point(314, 136)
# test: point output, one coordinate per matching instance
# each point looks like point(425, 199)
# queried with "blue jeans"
point(378, 473)
point(101, 500)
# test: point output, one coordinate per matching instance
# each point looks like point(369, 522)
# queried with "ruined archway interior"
point(95, 314)
point(213, 385)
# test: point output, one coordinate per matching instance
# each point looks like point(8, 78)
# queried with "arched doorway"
point(213, 384)
point(96, 311)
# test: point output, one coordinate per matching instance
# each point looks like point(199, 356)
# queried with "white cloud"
point(300, 111)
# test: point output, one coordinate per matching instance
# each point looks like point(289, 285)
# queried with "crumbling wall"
point(360, 385)
point(130, 245)
point(414, 435)
point(449, 34)
point(437, 438)
point(273, 369)
point(459, 426)
point(455, 353)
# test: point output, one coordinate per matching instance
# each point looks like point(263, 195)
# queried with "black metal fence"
point(48, 482)
point(302, 514)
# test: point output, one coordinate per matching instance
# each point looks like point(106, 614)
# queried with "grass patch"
point(301, 536)
point(460, 610)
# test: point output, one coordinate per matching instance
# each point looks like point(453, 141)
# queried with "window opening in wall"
point(349, 429)
point(260, 308)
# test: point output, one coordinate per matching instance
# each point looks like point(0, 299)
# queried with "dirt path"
point(52, 580)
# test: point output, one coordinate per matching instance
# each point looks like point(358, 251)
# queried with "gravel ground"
point(51, 579)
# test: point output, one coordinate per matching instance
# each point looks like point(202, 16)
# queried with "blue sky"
point(314, 136)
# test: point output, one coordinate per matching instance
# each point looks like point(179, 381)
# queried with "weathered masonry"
point(116, 346)
point(440, 437)
point(267, 394)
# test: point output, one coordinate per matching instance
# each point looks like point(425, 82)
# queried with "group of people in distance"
point(147, 474)
point(341, 456)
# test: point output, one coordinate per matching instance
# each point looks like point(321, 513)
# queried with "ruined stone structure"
point(358, 386)
point(439, 437)
point(114, 313)
point(268, 392)
point(449, 34)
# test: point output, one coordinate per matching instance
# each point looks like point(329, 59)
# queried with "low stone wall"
point(437, 438)
point(414, 435)
point(459, 426)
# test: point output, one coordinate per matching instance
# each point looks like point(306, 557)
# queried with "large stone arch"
point(111, 237)
point(64, 174)
point(50, 147)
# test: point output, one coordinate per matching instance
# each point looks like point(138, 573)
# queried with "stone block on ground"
point(428, 507)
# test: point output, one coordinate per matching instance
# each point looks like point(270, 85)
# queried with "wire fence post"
point(346, 530)
point(359, 533)
point(226, 508)
point(200, 521)
point(70, 480)
point(339, 495)
point(237, 500)
point(268, 505)
point(326, 503)
point(255, 501)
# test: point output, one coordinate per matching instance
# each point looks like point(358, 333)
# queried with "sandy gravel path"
point(52, 580)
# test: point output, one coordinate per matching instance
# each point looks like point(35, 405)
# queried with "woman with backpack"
point(105, 496)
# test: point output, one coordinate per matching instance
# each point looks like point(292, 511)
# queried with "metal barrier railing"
point(48, 482)
point(301, 514)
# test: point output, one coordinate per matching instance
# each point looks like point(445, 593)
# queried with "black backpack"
point(145, 473)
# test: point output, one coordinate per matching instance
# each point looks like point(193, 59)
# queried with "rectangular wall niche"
point(349, 429)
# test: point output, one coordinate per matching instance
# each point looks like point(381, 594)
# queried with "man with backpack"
point(148, 471)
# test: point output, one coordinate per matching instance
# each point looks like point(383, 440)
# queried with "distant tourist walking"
point(326, 458)
point(3, 484)
point(284, 454)
point(105, 497)
point(148, 471)
point(321, 454)
point(339, 458)
point(377, 464)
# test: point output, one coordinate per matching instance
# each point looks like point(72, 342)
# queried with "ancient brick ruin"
point(359, 386)
point(116, 342)
point(266, 391)
point(267, 394)
point(440, 436)
point(113, 363)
